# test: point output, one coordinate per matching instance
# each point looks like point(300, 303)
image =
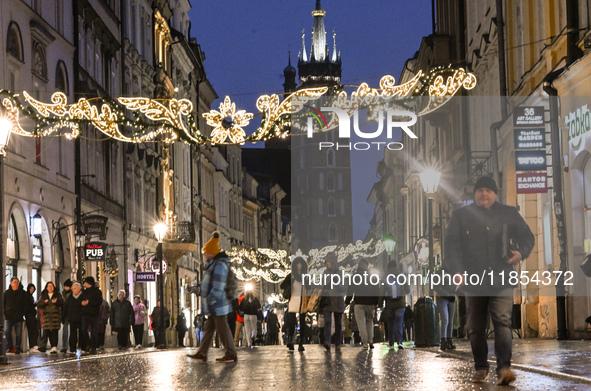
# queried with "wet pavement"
point(273, 367)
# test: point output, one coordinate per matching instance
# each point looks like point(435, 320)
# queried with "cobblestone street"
point(271, 367)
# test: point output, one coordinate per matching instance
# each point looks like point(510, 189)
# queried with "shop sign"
point(422, 252)
point(532, 182)
point(145, 276)
point(530, 160)
point(95, 251)
point(578, 125)
point(95, 225)
point(528, 116)
point(530, 138)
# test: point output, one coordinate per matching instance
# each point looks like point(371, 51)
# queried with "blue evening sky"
point(246, 44)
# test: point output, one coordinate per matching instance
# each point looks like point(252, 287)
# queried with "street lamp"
point(430, 181)
point(390, 243)
point(160, 232)
point(5, 130)
point(80, 238)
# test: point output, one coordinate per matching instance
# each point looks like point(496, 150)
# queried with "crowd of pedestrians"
point(80, 313)
point(361, 314)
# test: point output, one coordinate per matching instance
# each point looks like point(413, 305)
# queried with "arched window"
point(332, 233)
point(39, 61)
point(330, 182)
point(61, 78)
point(14, 43)
point(59, 255)
point(12, 251)
point(331, 207)
point(330, 157)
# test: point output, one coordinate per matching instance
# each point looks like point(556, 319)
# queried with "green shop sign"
point(578, 124)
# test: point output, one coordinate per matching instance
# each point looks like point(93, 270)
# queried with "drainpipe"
point(558, 200)
point(494, 147)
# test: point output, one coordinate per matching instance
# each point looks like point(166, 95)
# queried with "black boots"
point(447, 344)
point(450, 344)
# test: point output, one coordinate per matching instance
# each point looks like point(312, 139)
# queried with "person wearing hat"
point(473, 245)
point(214, 301)
point(92, 298)
point(65, 294)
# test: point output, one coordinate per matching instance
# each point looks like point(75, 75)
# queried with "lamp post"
point(5, 130)
point(79, 235)
point(430, 181)
point(160, 232)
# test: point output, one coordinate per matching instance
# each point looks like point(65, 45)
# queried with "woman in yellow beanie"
point(214, 301)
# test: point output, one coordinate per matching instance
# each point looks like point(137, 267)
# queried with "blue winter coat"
point(213, 286)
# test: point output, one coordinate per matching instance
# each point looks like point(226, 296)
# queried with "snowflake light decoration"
point(228, 123)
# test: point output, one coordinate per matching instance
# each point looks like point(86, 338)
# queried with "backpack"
point(232, 291)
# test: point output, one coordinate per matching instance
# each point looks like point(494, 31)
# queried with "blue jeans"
point(395, 318)
point(18, 331)
point(500, 308)
point(447, 310)
point(338, 327)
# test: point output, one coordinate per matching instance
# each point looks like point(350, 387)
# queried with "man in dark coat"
point(72, 315)
point(122, 318)
point(486, 239)
point(181, 329)
point(273, 328)
point(160, 329)
point(15, 305)
point(92, 297)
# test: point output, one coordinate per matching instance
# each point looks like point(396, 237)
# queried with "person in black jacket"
point(478, 242)
point(250, 305)
point(181, 329)
point(15, 305)
point(122, 318)
point(92, 297)
point(72, 314)
point(65, 294)
point(31, 320)
point(160, 329)
point(366, 297)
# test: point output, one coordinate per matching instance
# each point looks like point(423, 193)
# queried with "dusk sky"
point(246, 44)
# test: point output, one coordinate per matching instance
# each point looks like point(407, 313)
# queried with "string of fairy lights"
point(141, 119)
point(273, 266)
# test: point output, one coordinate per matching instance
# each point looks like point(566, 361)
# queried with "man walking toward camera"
point(487, 238)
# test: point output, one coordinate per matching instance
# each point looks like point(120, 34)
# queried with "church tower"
point(289, 74)
point(321, 178)
point(320, 69)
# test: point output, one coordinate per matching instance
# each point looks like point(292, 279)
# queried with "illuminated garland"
point(170, 120)
point(278, 298)
point(316, 257)
point(272, 266)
